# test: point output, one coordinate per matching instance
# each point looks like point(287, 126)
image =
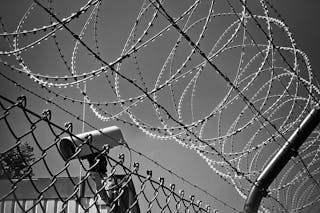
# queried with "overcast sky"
point(115, 21)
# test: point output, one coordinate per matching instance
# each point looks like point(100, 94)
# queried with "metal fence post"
point(278, 162)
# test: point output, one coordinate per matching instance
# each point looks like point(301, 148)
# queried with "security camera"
point(96, 140)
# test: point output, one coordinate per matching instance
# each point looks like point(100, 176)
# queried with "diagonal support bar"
point(278, 162)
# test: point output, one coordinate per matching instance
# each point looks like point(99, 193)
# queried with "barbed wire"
point(266, 95)
point(158, 164)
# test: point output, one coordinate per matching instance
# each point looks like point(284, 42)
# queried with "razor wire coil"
point(270, 87)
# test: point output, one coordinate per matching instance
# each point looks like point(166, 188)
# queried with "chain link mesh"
point(146, 194)
point(224, 79)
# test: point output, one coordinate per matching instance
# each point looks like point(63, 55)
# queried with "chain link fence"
point(224, 79)
point(126, 188)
